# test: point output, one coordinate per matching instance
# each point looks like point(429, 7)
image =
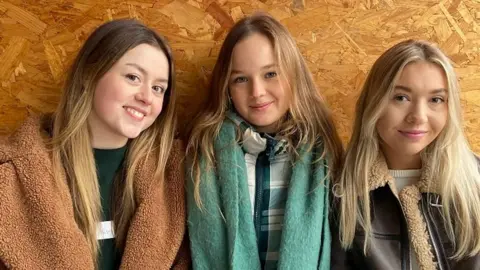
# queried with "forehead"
point(423, 76)
point(252, 53)
point(151, 59)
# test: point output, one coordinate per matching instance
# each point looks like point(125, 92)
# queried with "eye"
point(271, 74)
point(438, 100)
point(400, 98)
point(240, 80)
point(159, 89)
point(132, 77)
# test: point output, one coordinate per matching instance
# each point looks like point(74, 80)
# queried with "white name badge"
point(105, 230)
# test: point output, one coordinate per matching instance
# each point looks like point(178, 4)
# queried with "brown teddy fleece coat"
point(37, 225)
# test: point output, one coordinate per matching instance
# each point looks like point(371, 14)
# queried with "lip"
point(413, 134)
point(137, 109)
point(133, 116)
point(261, 106)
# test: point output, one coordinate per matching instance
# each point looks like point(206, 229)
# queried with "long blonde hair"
point(459, 188)
point(308, 121)
point(71, 140)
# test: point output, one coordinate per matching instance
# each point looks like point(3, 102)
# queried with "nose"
point(418, 113)
point(257, 88)
point(144, 95)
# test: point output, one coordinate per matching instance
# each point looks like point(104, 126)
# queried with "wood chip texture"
point(340, 39)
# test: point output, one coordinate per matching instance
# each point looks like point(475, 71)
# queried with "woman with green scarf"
point(261, 157)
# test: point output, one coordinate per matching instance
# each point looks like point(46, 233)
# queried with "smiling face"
point(415, 115)
point(129, 97)
point(259, 94)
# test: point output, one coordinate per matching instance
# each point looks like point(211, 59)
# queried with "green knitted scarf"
point(222, 234)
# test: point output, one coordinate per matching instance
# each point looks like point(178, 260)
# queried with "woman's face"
point(129, 97)
point(416, 114)
point(259, 93)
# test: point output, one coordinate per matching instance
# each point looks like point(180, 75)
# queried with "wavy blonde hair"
point(460, 188)
point(71, 140)
point(308, 120)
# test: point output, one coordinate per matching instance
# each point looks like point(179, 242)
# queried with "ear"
point(229, 100)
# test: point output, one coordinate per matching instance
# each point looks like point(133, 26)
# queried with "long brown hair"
point(308, 120)
point(454, 168)
point(71, 142)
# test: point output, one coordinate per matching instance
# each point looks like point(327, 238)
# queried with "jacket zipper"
point(405, 244)
point(433, 233)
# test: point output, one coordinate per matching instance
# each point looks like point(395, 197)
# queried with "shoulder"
point(177, 155)
point(28, 140)
point(178, 150)
point(24, 155)
point(7, 173)
point(176, 162)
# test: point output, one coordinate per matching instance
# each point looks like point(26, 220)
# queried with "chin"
point(132, 135)
point(261, 122)
point(411, 152)
point(133, 131)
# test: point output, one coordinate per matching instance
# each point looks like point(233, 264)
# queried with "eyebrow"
point(142, 70)
point(407, 89)
point(234, 71)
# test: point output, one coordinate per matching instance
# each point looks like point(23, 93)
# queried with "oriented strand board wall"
point(339, 38)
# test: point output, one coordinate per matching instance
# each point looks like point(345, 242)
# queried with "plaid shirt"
point(269, 170)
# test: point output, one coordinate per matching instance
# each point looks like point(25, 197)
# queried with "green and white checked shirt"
point(269, 170)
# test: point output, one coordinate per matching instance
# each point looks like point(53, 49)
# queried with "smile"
point(414, 134)
point(135, 113)
point(262, 106)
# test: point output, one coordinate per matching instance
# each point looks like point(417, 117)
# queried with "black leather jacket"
point(413, 220)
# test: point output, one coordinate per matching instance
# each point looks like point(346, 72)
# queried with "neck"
point(101, 140)
point(402, 162)
point(98, 142)
point(267, 129)
point(102, 137)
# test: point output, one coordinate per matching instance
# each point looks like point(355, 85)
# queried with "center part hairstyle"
point(72, 151)
point(307, 122)
point(454, 170)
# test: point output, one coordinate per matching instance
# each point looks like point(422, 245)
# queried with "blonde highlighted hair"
point(454, 169)
point(72, 152)
point(308, 121)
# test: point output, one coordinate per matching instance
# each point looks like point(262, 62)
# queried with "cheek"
point(393, 117)
point(439, 121)
point(385, 133)
point(384, 122)
point(157, 107)
point(105, 107)
point(387, 124)
point(281, 89)
point(102, 101)
point(381, 129)
point(239, 100)
point(109, 93)
point(281, 92)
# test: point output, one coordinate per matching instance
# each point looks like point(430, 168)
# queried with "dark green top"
point(108, 162)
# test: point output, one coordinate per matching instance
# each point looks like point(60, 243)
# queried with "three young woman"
point(409, 190)
point(99, 184)
point(262, 153)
